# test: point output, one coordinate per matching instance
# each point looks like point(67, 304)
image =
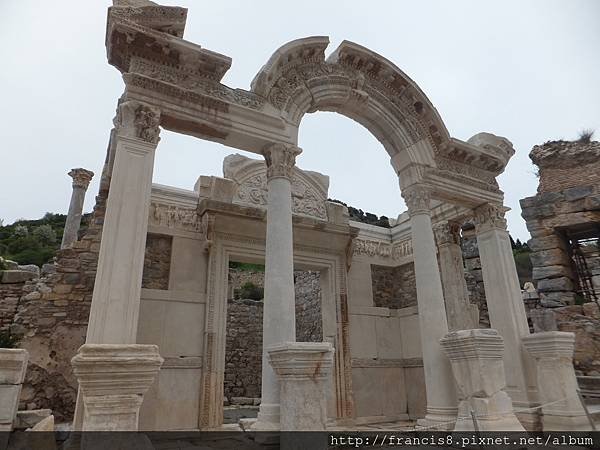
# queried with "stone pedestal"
point(13, 365)
point(112, 381)
point(461, 314)
point(441, 393)
point(476, 358)
point(279, 314)
point(505, 302)
point(557, 383)
point(303, 369)
point(81, 181)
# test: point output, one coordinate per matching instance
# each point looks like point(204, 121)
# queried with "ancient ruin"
point(135, 325)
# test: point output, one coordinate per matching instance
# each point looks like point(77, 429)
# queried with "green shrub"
point(7, 340)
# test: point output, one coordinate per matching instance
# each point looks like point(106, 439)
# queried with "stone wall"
point(10, 293)
point(394, 287)
point(566, 164)
point(243, 352)
point(157, 262)
point(473, 274)
point(568, 201)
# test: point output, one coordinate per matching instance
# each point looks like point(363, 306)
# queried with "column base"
point(268, 418)
point(113, 379)
point(440, 418)
point(565, 422)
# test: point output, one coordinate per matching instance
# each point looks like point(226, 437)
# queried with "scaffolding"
point(585, 256)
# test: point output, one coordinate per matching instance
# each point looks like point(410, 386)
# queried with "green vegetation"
point(521, 254)
point(7, 340)
point(32, 241)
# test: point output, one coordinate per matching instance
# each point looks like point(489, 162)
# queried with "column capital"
point(447, 232)
point(280, 160)
point(81, 177)
point(138, 120)
point(488, 217)
point(418, 199)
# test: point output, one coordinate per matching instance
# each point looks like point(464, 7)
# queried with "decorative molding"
point(81, 177)
point(139, 120)
point(391, 363)
point(171, 216)
point(309, 189)
point(488, 217)
point(446, 233)
point(418, 199)
point(395, 251)
point(280, 160)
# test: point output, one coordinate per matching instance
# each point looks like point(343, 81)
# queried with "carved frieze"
point(172, 216)
point(447, 232)
point(309, 189)
point(380, 249)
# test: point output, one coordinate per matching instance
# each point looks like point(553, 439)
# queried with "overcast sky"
point(526, 70)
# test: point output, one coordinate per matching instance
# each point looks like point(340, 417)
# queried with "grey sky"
point(526, 70)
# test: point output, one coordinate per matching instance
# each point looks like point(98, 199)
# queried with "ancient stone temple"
point(398, 337)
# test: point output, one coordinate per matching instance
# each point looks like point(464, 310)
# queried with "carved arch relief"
point(309, 189)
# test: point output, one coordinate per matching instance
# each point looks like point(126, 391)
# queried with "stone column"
point(116, 298)
point(81, 181)
point(461, 314)
point(504, 300)
point(303, 369)
point(557, 383)
point(113, 380)
point(439, 385)
point(476, 358)
point(279, 313)
point(13, 364)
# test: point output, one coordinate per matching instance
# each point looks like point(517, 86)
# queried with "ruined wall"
point(157, 262)
point(473, 274)
point(568, 200)
point(10, 293)
point(243, 351)
point(394, 287)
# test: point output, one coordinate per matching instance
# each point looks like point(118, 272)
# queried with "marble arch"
point(176, 84)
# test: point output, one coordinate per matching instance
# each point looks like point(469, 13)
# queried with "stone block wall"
point(243, 352)
point(474, 275)
point(394, 287)
point(157, 262)
point(568, 199)
point(10, 293)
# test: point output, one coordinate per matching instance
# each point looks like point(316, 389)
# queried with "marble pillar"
point(81, 181)
point(461, 314)
point(13, 365)
point(476, 358)
point(279, 314)
point(557, 383)
point(505, 302)
point(303, 369)
point(439, 384)
point(116, 298)
point(113, 380)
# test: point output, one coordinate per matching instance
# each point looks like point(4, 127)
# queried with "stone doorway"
point(243, 347)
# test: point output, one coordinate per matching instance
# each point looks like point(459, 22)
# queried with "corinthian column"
point(116, 299)
point(461, 314)
point(81, 181)
point(279, 316)
point(439, 384)
point(504, 300)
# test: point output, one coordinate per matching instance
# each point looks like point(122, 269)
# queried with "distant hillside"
point(33, 241)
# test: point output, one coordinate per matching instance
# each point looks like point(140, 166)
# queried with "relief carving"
point(172, 216)
point(373, 249)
